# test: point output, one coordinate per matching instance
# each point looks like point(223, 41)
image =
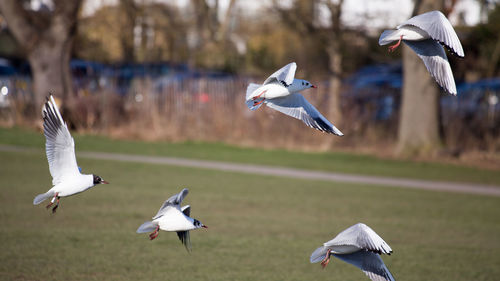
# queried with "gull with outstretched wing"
point(281, 92)
point(171, 217)
point(360, 246)
point(60, 149)
point(426, 34)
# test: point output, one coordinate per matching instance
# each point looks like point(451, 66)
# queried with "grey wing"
point(436, 62)
point(186, 210)
point(185, 239)
point(59, 145)
point(439, 28)
point(297, 106)
point(361, 236)
point(174, 201)
point(184, 235)
point(370, 263)
point(284, 75)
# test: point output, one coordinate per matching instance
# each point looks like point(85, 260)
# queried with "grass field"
point(332, 161)
point(260, 228)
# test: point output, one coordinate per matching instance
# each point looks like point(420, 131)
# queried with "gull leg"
point(57, 205)
point(53, 200)
point(257, 96)
point(257, 103)
point(154, 234)
point(393, 47)
point(326, 260)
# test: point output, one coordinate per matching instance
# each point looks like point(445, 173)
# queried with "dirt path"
point(284, 172)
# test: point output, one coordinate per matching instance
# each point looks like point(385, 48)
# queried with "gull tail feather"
point(146, 227)
point(250, 90)
point(318, 254)
point(389, 36)
point(42, 197)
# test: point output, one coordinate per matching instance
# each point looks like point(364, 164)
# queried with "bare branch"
point(19, 24)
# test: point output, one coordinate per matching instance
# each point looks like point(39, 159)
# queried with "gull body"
point(171, 217)
point(60, 149)
point(360, 246)
point(426, 34)
point(281, 92)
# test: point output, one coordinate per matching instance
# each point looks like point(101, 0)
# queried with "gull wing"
point(297, 106)
point(283, 76)
point(370, 263)
point(439, 28)
point(185, 239)
point(184, 235)
point(361, 236)
point(186, 210)
point(59, 145)
point(172, 202)
point(436, 62)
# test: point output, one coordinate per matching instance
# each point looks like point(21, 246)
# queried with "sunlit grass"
point(260, 228)
point(333, 161)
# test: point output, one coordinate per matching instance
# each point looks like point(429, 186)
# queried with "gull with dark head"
point(60, 149)
point(426, 34)
point(281, 92)
point(360, 246)
point(171, 217)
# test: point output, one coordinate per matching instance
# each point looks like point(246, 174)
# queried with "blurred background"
point(177, 70)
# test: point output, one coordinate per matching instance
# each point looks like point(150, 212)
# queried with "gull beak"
point(104, 182)
point(313, 86)
point(204, 226)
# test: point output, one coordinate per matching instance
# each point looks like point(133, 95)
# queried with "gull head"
point(300, 84)
point(198, 224)
point(99, 180)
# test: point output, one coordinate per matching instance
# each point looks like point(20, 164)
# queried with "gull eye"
point(302, 83)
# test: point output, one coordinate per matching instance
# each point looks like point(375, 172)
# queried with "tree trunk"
point(418, 132)
point(47, 38)
point(49, 63)
point(335, 67)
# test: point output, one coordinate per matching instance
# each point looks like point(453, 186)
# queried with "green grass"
point(334, 161)
point(260, 228)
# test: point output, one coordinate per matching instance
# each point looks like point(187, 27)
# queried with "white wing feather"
point(436, 62)
point(59, 145)
point(297, 106)
point(439, 28)
point(361, 236)
point(174, 201)
point(283, 75)
point(370, 263)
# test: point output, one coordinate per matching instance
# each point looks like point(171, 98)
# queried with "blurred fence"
point(213, 109)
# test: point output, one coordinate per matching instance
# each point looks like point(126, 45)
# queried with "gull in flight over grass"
point(360, 246)
point(171, 217)
point(60, 148)
point(281, 91)
point(426, 34)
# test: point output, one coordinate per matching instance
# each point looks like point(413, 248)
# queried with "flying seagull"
point(60, 149)
point(426, 34)
point(360, 246)
point(171, 217)
point(280, 91)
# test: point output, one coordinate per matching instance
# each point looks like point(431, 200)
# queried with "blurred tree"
point(302, 16)
point(418, 131)
point(127, 23)
point(160, 34)
point(213, 45)
point(46, 35)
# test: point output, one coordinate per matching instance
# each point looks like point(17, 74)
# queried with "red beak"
point(312, 86)
point(204, 226)
point(105, 182)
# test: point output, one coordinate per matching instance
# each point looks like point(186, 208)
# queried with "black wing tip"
point(324, 127)
point(184, 237)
